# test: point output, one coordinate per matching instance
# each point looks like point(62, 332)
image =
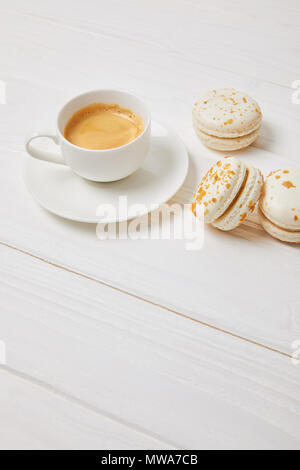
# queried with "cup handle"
point(41, 155)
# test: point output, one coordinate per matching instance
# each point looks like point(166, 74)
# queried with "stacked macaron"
point(279, 206)
point(228, 193)
point(227, 119)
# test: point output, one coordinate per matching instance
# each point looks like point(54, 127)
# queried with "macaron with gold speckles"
point(227, 119)
point(279, 206)
point(228, 193)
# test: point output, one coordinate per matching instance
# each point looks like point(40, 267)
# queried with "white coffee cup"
point(99, 165)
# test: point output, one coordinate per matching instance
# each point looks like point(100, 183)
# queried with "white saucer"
point(56, 188)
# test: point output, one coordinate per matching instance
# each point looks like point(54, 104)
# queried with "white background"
point(141, 344)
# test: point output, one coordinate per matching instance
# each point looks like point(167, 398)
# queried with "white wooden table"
point(142, 344)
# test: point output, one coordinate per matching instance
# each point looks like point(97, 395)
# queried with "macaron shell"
point(227, 145)
point(280, 201)
point(226, 113)
point(277, 232)
point(245, 202)
point(219, 187)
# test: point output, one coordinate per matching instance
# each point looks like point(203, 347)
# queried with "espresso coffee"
point(102, 126)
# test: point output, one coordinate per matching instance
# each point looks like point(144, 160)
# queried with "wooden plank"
point(181, 382)
point(218, 48)
point(36, 45)
point(33, 417)
point(235, 282)
point(127, 370)
point(258, 42)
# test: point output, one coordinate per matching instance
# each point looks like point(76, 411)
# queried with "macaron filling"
point(229, 138)
point(227, 143)
point(218, 135)
point(262, 214)
point(239, 193)
point(285, 235)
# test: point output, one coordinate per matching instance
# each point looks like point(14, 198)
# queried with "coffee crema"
point(102, 126)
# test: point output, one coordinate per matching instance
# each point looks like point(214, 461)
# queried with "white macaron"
point(227, 119)
point(228, 193)
point(280, 205)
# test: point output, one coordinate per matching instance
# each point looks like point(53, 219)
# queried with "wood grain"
point(142, 375)
point(236, 282)
point(33, 416)
point(161, 272)
point(173, 380)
